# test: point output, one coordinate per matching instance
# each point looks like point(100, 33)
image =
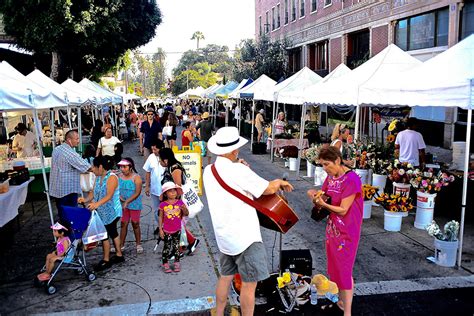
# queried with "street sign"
point(192, 162)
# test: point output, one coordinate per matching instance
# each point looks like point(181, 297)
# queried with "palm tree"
point(198, 35)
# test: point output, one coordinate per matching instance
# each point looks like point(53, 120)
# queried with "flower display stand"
point(367, 209)
point(445, 252)
point(401, 188)
point(319, 176)
point(310, 169)
point(363, 174)
point(393, 221)
point(425, 204)
point(379, 181)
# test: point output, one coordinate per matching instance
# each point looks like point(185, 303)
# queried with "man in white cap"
point(236, 225)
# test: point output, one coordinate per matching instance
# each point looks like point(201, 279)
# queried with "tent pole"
point(300, 142)
point(226, 113)
point(273, 130)
point(53, 132)
point(79, 127)
point(240, 113)
point(43, 171)
point(464, 186)
point(69, 117)
point(356, 133)
point(252, 122)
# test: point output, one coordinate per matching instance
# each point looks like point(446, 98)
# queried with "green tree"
point(86, 37)
point(198, 35)
point(200, 74)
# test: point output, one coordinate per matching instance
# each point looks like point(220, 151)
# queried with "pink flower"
point(424, 183)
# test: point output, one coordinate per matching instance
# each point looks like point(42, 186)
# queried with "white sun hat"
point(225, 140)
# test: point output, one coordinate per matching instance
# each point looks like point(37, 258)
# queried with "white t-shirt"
point(235, 223)
point(26, 143)
point(108, 145)
point(410, 143)
point(153, 166)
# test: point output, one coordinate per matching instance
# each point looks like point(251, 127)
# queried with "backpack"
point(167, 177)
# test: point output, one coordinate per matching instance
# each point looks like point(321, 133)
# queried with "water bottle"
point(332, 297)
point(314, 295)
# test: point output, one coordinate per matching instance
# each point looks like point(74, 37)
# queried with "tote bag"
point(191, 199)
point(87, 181)
point(167, 130)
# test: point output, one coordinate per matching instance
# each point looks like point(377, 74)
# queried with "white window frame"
point(311, 8)
point(278, 11)
point(273, 24)
point(304, 8)
point(287, 10)
point(296, 11)
point(326, 5)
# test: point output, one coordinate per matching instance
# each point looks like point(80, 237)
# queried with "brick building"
point(325, 33)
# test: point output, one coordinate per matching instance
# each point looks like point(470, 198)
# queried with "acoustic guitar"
point(273, 211)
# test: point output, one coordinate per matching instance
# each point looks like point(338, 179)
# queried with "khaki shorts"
point(251, 264)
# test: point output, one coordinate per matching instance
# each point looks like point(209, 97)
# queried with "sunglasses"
point(150, 114)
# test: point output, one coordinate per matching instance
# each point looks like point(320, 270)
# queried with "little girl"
point(61, 246)
point(171, 212)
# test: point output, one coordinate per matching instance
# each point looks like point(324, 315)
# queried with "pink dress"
point(343, 232)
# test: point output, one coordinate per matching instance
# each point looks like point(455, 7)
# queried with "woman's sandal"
point(177, 267)
point(166, 268)
point(102, 265)
point(139, 249)
point(44, 276)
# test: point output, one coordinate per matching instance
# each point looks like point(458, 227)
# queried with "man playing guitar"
point(236, 225)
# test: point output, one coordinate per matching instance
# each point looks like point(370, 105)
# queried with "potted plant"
point(379, 173)
point(400, 174)
point(311, 156)
point(396, 206)
point(445, 243)
point(427, 185)
point(369, 193)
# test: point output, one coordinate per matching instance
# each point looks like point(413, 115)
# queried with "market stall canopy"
point(262, 83)
point(224, 91)
point(106, 95)
point(304, 75)
point(47, 83)
point(40, 98)
point(444, 80)
point(212, 89)
point(345, 90)
point(206, 91)
point(192, 93)
point(128, 96)
point(244, 83)
point(92, 95)
point(15, 95)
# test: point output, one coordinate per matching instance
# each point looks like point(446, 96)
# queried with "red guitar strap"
point(247, 200)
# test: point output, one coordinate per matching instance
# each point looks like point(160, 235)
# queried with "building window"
point(286, 12)
point(260, 25)
point(267, 24)
point(322, 53)
point(314, 5)
point(327, 2)
point(278, 16)
point(302, 4)
point(293, 10)
point(423, 31)
point(273, 19)
point(467, 20)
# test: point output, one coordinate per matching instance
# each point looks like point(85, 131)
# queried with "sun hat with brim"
point(323, 285)
point(205, 115)
point(225, 140)
point(124, 162)
point(58, 226)
point(168, 186)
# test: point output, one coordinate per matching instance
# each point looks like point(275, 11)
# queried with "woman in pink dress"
point(344, 222)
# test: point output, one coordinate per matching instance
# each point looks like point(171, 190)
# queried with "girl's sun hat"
point(58, 226)
point(168, 186)
point(124, 162)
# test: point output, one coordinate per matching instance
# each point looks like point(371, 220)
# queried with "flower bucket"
point(319, 176)
point(287, 163)
point(401, 188)
point(425, 200)
point(392, 221)
point(363, 175)
point(445, 252)
point(379, 181)
point(367, 209)
point(293, 164)
point(310, 169)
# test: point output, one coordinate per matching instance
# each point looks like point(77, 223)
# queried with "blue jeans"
point(67, 200)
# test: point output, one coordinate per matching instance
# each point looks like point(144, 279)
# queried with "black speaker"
point(259, 148)
point(298, 261)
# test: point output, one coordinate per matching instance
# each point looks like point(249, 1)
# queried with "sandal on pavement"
point(139, 249)
point(102, 265)
point(177, 267)
point(44, 276)
point(166, 268)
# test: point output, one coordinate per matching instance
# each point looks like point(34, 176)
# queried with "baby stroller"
point(74, 258)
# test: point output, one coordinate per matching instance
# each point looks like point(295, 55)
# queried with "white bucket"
point(445, 252)
point(319, 176)
point(379, 181)
point(287, 164)
point(425, 200)
point(401, 188)
point(310, 168)
point(363, 174)
point(293, 164)
point(367, 209)
point(423, 217)
point(392, 221)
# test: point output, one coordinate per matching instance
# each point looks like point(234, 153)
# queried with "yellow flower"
point(404, 208)
point(393, 208)
point(390, 138)
point(392, 125)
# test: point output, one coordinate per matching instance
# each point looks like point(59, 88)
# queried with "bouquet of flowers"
point(361, 152)
point(311, 154)
point(430, 183)
point(369, 191)
point(394, 202)
point(450, 231)
point(379, 166)
point(400, 172)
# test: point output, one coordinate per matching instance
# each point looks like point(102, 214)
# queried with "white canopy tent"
point(446, 80)
point(106, 95)
point(261, 84)
point(345, 90)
